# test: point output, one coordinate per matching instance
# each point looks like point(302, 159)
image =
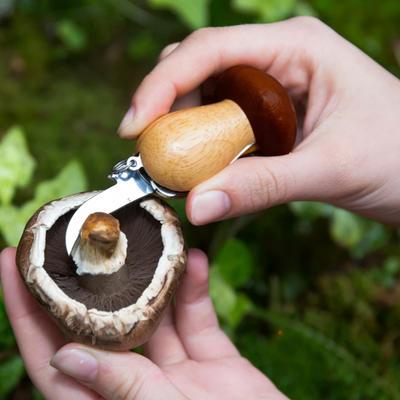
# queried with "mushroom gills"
point(119, 289)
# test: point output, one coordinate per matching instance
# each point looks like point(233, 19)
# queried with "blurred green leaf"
point(235, 262)
point(194, 13)
point(392, 265)
point(386, 274)
point(143, 46)
point(268, 11)
point(303, 8)
point(230, 306)
point(12, 223)
point(11, 371)
point(311, 210)
point(273, 10)
point(13, 219)
point(16, 164)
point(70, 180)
point(71, 35)
point(242, 307)
point(222, 294)
point(346, 228)
point(359, 235)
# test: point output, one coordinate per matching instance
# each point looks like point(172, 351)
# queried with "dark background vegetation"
point(309, 293)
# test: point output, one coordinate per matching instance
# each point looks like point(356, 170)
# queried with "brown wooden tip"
point(265, 103)
point(101, 230)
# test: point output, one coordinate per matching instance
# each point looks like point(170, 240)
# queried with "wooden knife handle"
point(184, 148)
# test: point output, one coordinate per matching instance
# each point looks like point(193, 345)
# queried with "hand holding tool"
point(182, 149)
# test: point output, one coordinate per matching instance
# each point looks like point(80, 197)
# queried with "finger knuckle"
point(308, 38)
point(309, 23)
point(345, 177)
point(202, 35)
point(156, 78)
point(149, 77)
point(310, 30)
point(133, 387)
point(167, 50)
point(268, 187)
point(256, 193)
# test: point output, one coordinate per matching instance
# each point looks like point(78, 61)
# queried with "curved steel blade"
point(128, 188)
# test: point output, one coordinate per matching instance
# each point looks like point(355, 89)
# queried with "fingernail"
point(127, 119)
point(209, 206)
point(76, 363)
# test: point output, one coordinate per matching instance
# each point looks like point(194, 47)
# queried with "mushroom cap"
point(266, 104)
point(122, 329)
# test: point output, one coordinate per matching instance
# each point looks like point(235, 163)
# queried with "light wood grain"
point(184, 148)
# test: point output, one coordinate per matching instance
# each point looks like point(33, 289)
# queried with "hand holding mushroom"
point(191, 358)
point(349, 155)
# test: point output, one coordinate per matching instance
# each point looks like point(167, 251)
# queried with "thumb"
point(253, 184)
point(124, 375)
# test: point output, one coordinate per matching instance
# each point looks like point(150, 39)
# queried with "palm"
point(225, 378)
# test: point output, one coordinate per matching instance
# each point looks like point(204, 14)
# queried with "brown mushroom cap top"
point(100, 249)
point(121, 320)
point(266, 104)
point(103, 229)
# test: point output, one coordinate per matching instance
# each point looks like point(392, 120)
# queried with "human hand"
point(189, 357)
point(349, 155)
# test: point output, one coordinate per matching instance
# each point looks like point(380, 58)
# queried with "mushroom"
point(124, 269)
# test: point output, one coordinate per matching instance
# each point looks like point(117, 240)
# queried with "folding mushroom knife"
point(182, 149)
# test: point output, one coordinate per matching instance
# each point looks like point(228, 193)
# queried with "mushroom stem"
point(101, 248)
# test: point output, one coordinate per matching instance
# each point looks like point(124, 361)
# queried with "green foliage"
point(11, 371)
point(71, 35)
point(390, 269)
point(143, 46)
point(234, 265)
point(70, 180)
point(373, 26)
point(222, 294)
point(235, 262)
point(359, 235)
point(311, 211)
point(16, 164)
point(273, 10)
point(14, 218)
point(230, 306)
point(305, 355)
point(194, 13)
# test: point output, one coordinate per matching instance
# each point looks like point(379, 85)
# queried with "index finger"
point(281, 48)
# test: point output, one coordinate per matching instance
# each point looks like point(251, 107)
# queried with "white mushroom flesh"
point(91, 261)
